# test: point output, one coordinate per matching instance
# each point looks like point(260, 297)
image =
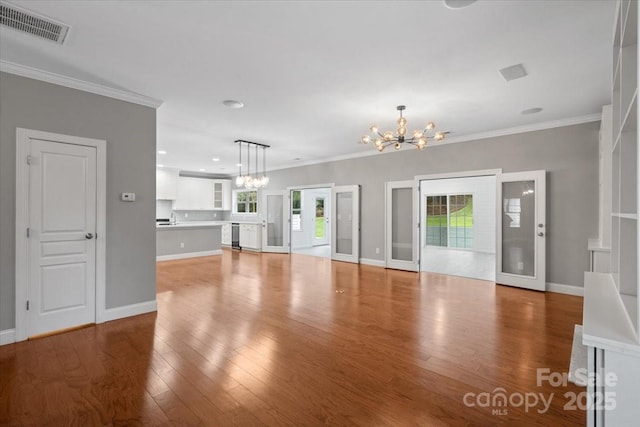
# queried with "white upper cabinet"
point(166, 184)
point(222, 194)
point(194, 194)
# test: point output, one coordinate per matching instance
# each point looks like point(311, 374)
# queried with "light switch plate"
point(128, 197)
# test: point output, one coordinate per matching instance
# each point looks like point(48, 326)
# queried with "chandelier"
point(248, 180)
point(419, 138)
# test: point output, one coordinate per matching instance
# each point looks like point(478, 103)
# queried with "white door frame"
point(305, 187)
point(418, 206)
point(412, 265)
point(23, 136)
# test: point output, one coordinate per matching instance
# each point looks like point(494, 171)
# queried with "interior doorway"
point(310, 221)
point(458, 233)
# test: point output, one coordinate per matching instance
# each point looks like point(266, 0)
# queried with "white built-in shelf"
point(630, 119)
point(632, 216)
point(630, 303)
point(605, 321)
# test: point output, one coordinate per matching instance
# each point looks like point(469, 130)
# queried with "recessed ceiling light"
point(458, 4)
point(162, 152)
point(232, 103)
point(215, 159)
point(160, 166)
point(531, 111)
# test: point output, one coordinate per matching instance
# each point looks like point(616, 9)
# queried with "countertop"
point(201, 224)
point(190, 224)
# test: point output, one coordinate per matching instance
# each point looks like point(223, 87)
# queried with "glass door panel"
point(521, 230)
point(345, 223)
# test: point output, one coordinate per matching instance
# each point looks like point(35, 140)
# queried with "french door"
point(345, 226)
point(521, 230)
point(275, 221)
point(321, 221)
point(401, 220)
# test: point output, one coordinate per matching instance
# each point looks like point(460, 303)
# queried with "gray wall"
point(568, 154)
point(130, 132)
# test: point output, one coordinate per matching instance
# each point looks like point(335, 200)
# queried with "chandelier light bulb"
point(422, 142)
point(430, 126)
point(381, 148)
point(417, 134)
point(402, 131)
point(378, 142)
point(439, 136)
point(374, 128)
point(397, 146)
point(402, 122)
point(388, 135)
point(239, 180)
point(365, 139)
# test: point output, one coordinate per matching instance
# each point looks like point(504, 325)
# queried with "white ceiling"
point(314, 75)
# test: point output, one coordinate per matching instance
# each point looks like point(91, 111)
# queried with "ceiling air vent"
point(29, 22)
point(514, 72)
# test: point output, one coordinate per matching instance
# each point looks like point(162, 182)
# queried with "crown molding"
point(70, 82)
point(463, 138)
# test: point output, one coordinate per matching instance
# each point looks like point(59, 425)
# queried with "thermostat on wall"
point(128, 197)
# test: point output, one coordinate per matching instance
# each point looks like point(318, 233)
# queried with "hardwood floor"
point(265, 339)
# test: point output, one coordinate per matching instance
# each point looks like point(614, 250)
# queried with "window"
point(246, 202)
point(296, 210)
point(450, 221)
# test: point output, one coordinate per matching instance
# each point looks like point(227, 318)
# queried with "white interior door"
point(521, 230)
point(345, 223)
point(321, 221)
point(62, 236)
point(401, 246)
point(275, 221)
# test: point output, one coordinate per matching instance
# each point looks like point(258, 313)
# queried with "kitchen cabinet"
point(194, 194)
point(166, 184)
point(251, 236)
point(226, 234)
point(222, 194)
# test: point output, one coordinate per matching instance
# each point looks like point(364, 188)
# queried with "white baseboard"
point(130, 310)
point(188, 255)
point(374, 262)
point(565, 289)
point(7, 336)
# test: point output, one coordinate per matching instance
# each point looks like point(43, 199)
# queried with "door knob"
point(541, 234)
point(88, 236)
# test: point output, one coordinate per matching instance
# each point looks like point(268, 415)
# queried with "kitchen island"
point(188, 240)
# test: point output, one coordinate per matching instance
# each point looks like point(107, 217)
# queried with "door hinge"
point(28, 231)
point(28, 159)
point(27, 305)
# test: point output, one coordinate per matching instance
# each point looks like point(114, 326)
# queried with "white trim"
point(22, 220)
point(7, 336)
point(565, 289)
point(73, 83)
point(373, 262)
point(188, 255)
point(588, 118)
point(463, 174)
point(311, 186)
point(130, 310)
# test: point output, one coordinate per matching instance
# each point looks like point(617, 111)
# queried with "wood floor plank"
point(265, 340)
